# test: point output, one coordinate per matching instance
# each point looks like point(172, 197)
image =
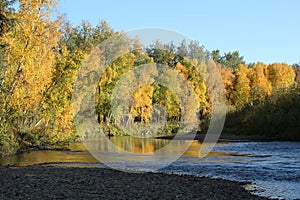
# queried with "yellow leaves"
point(181, 69)
point(281, 75)
point(227, 75)
point(260, 81)
point(241, 94)
point(228, 79)
point(142, 103)
point(171, 103)
point(31, 61)
point(59, 108)
point(195, 78)
point(32, 48)
point(260, 85)
point(110, 74)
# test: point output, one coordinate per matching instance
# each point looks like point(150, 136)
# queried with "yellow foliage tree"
point(281, 75)
point(242, 88)
point(182, 70)
point(142, 103)
point(30, 60)
point(58, 115)
point(196, 81)
point(228, 79)
point(260, 85)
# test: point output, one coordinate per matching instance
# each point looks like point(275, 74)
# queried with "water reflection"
point(137, 149)
point(132, 145)
point(79, 154)
point(139, 145)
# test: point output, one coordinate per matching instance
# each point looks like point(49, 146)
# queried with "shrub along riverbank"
point(277, 117)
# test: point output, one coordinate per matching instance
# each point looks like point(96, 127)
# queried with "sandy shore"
point(48, 182)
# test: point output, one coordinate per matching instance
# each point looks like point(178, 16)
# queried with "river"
point(271, 169)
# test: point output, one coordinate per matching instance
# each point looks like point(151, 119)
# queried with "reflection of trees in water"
point(139, 145)
point(133, 144)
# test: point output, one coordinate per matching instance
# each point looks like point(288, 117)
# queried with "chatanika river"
point(270, 169)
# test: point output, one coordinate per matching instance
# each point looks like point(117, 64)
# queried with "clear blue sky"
point(261, 30)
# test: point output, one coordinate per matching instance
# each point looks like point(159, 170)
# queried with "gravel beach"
point(52, 182)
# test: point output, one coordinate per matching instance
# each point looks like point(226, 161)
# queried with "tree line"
point(41, 53)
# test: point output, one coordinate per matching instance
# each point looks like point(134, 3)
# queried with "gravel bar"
point(54, 182)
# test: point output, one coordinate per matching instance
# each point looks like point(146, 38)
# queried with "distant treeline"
point(40, 57)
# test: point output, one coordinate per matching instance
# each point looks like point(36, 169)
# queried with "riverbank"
point(224, 137)
point(48, 182)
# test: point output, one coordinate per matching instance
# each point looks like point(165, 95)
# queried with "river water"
point(271, 169)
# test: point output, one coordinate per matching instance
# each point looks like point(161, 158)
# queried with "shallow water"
point(272, 168)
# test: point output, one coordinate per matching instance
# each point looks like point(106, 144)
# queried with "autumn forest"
point(41, 54)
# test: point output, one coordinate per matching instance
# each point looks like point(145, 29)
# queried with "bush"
point(277, 116)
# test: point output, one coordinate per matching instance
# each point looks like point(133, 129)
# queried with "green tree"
point(230, 59)
point(107, 84)
point(197, 51)
point(167, 99)
point(217, 57)
point(85, 37)
point(161, 54)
